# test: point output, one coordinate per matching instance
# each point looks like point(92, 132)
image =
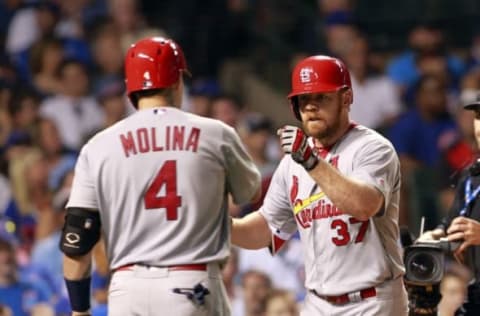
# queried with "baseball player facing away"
point(339, 186)
point(156, 185)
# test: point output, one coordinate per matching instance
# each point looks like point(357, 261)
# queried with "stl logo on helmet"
point(306, 74)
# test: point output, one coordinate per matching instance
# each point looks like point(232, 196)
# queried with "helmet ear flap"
point(133, 99)
point(295, 107)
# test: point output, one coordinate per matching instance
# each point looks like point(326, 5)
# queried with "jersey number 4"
point(343, 235)
point(167, 175)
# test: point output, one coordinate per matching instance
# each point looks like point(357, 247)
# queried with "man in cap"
point(463, 220)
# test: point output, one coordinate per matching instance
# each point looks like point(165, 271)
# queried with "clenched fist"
point(294, 142)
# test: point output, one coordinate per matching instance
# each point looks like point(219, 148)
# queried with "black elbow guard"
point(80, 232)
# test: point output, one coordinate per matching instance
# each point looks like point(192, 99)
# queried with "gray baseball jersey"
point(342, 254)
point(160, 180)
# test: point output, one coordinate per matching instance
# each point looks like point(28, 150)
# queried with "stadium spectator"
point(420, 137)
point(59, 158)
point(46, 254)
point(132, 25)
point(46, 55)
point(19, 296)
point(75, 112)
point(111, 96)
point(376, 103)
point(424, 39)
point(227, 109)
point(256, 132)
point(105, 46)
point(202, 92)
point(255, 286)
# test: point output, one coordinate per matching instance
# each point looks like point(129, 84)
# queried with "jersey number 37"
point(343, 234)
point(166, 176)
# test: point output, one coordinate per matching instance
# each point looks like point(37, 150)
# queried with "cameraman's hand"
point(431, 235)
point(466, 229)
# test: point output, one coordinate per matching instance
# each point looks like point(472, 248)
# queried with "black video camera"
point(425, 261)
point(424, 269)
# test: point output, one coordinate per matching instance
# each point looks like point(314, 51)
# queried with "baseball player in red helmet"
point(339, 186)
point(156, 185)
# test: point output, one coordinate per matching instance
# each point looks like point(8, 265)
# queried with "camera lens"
point(422, 266)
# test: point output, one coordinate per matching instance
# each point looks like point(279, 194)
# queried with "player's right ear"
point(347, 97)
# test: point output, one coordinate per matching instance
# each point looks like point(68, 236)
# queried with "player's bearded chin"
point(322, 129)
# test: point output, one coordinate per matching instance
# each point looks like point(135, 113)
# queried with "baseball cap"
point(470, 99)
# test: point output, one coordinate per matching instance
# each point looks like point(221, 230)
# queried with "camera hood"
point(424, 263)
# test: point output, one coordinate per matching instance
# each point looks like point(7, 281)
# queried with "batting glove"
point(294, 142)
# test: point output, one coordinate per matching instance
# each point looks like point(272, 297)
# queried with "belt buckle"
point(354, 296)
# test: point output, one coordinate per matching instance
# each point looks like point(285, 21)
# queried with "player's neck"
point(153, 102)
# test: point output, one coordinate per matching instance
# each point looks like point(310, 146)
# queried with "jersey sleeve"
point(243, 177)
point(377, 164)
point(276, 208)
point(83, 187)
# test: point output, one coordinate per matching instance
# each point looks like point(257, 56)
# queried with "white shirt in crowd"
point(374, 101)
point(76, 119)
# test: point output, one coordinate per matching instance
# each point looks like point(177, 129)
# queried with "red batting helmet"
point(153, 63)
point(317, 74)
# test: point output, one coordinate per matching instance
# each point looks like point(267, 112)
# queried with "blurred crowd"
point(61, 81)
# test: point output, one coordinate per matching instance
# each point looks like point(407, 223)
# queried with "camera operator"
point(463, 222)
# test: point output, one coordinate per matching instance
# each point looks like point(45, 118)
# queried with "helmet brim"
point(316, 89)
point(472, 106)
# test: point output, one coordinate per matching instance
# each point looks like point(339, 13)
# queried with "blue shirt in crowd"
point(403, 69)
point(20, 297)
point(420, 139)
